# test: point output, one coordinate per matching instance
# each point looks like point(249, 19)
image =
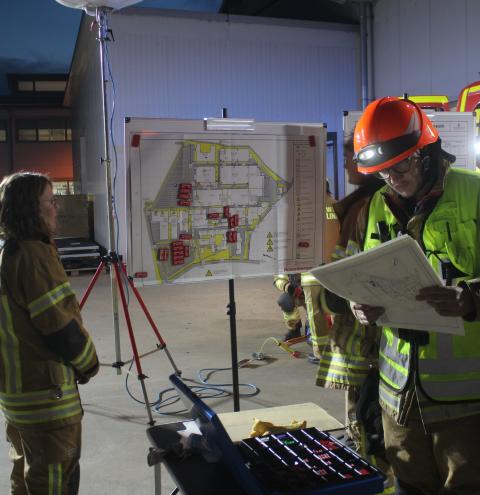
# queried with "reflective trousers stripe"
point(50, 299)
point(55, 479)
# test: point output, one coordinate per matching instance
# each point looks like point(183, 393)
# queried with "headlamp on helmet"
point(369, 153)
point(378, 153)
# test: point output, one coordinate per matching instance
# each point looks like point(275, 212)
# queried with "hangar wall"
point(180, 65)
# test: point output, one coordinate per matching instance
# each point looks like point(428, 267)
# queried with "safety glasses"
point(399, 168)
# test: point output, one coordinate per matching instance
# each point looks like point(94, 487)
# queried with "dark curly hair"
point(20, 206)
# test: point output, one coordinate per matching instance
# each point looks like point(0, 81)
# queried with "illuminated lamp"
point(89, 6)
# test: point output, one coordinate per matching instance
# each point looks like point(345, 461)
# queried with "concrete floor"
point(192, 320)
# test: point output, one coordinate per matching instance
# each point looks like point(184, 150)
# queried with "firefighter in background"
point(429, 382)
point(45, 349)
point(303, 290)
point(290, 301)
point(351, 354)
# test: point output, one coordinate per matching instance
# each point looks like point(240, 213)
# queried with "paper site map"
point(390, 276)
point(223, 206)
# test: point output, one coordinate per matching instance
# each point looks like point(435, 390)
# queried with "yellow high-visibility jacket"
point(44, 348)
point(444, 370)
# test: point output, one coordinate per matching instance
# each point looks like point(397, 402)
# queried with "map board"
point(220, 204)
point(456, 129)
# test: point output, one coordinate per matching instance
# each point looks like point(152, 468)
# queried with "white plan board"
point(456, 129)
point(205, 205)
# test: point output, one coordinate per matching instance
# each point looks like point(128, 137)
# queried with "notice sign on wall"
point(208, 204)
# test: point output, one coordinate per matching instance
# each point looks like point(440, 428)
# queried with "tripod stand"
point(119, 274)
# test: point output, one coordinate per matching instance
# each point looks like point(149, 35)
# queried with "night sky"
point(39, 35)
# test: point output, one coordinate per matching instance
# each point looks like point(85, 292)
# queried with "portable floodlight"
point(89, 6)
point(101, 9)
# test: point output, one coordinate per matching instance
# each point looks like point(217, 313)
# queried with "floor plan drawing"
point(389, 276)
point(212, 200)
point(224, 206)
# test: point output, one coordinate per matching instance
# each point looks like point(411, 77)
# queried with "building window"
point(26, 130)
point(25, 86)
point(51, 86)
point(42, 86)
point(45, 130)
point(60, 188)
point(52, 130)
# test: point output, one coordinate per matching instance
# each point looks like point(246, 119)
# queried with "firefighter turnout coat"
point(352, 348)
point(44, 348)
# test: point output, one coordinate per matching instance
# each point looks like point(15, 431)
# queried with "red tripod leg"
point(162, 345)
point(127, 319)
point(91, 284)
point(144, 308)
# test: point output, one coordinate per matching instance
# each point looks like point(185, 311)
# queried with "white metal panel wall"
point(189, 67)
point(472, 35)
point(425, 46)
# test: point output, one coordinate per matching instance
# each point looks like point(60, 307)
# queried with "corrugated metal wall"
point(426, 46)
point(185, 66)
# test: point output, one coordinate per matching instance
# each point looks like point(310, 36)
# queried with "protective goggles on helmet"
point(378, 153)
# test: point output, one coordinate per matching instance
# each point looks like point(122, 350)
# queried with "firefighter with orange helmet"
point(45, 349)
point(429, 381)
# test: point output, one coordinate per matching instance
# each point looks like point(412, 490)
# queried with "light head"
point(89, 6)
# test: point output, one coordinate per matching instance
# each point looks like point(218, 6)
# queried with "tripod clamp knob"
point(112, 257)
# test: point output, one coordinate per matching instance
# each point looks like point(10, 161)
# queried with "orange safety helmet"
point(389, 131)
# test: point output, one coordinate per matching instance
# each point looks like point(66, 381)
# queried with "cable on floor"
point(204, 390)
point(283, 345)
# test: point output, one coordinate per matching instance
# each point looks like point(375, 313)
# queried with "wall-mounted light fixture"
point(216, 124)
